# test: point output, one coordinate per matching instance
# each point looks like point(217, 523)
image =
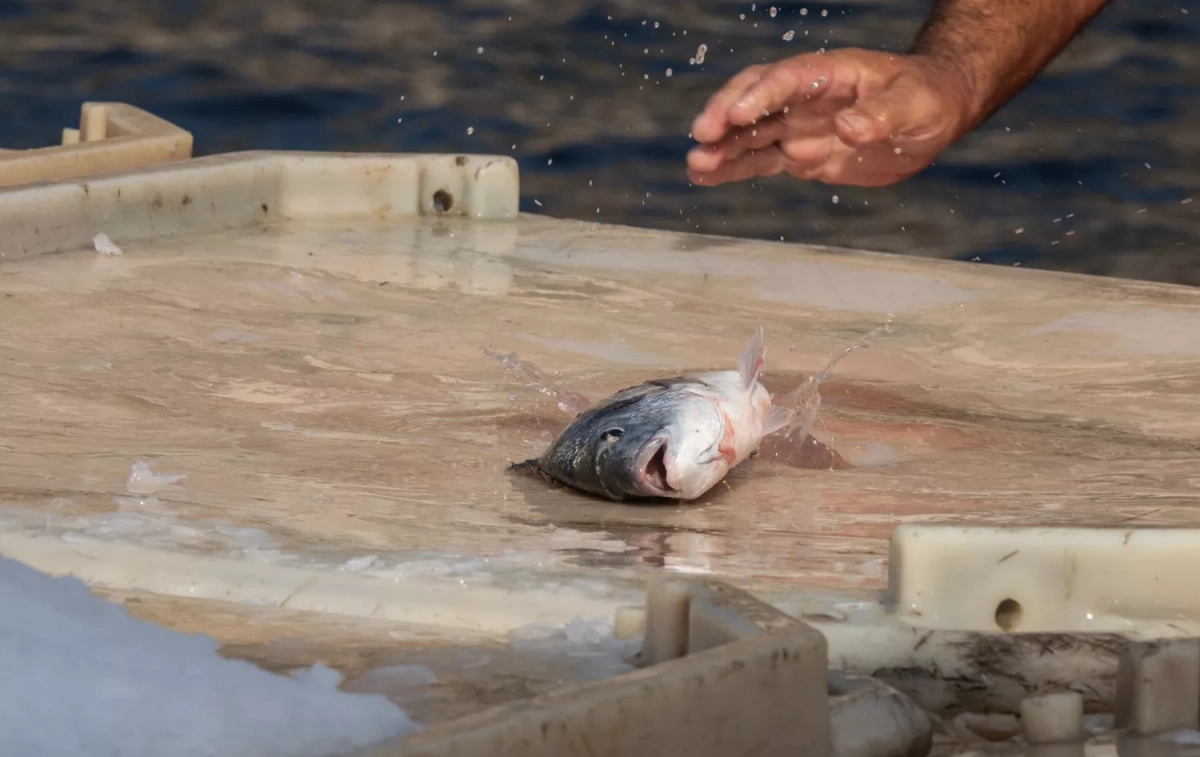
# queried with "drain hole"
point(1008, 614)
point(442, 201)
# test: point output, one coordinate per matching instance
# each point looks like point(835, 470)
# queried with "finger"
point(766, 162)
point(739, 141)
point(806, 154)
point(803, 78)
point(903, 106)
point(713, 123)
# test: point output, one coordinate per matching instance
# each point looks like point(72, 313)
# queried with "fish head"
point(687, 456)
point(660, 444)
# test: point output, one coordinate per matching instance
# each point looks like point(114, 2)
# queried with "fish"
point(668, 438)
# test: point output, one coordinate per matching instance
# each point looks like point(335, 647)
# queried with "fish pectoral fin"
point(531, 467)
point(779, 418)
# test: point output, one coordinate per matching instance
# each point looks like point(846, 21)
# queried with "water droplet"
point(470, 130)
point(741, 16)
point(479, 50)
point(655, 24)
point(1020, 231)
point(824, 13)
point(789, 35)
point(398, 120)
point(670, 72)
point(804, 11)
point(897, 151)
point(835, 199)
point(550, 161)
point(700, 51)
point(772, 11)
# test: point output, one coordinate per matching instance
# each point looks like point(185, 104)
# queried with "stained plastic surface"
point(302, 336)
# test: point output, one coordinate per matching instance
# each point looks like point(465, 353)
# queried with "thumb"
point(902, 106)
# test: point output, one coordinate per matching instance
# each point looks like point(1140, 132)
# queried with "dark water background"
point(1090, 169)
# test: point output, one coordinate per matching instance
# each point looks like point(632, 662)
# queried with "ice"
point(104, 245)
point(82, 676)
point(143, 481)
point(360, 563)
point(590, 642)
point(1184, 736)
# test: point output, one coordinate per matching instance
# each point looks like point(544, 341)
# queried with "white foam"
point(82, 676)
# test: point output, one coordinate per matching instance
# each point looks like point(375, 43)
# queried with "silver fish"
point(673, 437)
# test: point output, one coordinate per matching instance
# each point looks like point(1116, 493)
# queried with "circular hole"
point(1008, 614)
point(442, 201)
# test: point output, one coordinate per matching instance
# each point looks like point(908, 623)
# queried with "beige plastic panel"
point(234, 190)
point(110, 137)
point(1043, 579)
point(762, 689)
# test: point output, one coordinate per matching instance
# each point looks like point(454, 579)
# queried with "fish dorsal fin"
point(750, 362)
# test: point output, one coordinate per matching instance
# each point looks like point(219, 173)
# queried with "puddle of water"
point(363, 419)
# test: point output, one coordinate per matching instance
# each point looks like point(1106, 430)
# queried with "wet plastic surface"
point(323, 386)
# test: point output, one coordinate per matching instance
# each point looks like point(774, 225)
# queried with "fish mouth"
point(652, 467)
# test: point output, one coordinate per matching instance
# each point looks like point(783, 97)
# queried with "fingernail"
point(855, 123)
point(745, 102)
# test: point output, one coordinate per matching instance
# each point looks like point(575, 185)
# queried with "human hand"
point(847, 116)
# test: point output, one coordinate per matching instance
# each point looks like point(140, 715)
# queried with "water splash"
point(532, 377)
point(804, 401)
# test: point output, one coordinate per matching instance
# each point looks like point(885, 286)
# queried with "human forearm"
point(998, 46)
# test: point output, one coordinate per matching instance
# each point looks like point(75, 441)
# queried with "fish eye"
point(613, 434)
